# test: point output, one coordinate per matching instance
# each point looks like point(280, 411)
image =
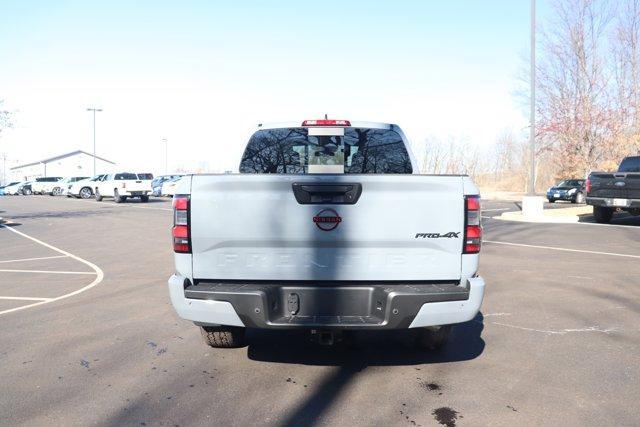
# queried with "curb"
point(517, 216)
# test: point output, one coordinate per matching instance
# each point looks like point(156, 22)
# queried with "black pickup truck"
point(609, 192)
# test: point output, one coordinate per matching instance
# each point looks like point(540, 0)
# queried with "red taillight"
point(326, 122)
point(181, 233)
point(587, 185)
point(473, 228)
point(181, 203)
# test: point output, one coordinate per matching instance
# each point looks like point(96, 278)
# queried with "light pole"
point(95, 110)
point(166, 156)
point(532, 206)
point(532, 130)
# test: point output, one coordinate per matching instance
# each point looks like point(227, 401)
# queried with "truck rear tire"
point(223, 336)
point(144, 199)
point(116, 196)
point(433, 338)
point(602, 215)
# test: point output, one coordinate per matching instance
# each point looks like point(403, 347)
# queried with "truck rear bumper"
point(613, 202)
point(347, 305)
point(134, 193)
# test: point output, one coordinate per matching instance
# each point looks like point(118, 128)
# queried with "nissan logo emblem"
point(327, 219)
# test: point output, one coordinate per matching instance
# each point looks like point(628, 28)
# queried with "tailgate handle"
point(337, 194)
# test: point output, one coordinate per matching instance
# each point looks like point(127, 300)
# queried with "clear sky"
point(202, 73)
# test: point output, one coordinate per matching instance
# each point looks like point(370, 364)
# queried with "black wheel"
point(551, 200)
point(433, 338)
point(579, 198)
point(86, 193)
point(602, 215)
point(98, 196)
point(116, 196)
point(144, 199)
point(223, 336)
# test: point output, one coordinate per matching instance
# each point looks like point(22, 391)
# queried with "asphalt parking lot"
point(88, 335)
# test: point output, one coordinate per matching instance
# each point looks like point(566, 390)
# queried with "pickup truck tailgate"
point(253, 227)
point(618, 184)
point(138, 185)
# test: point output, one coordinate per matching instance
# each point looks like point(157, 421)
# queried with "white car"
point(44, 185)
point(84, 187)
point(61, 187)
point(169, 187)
point(13, 189)
point(121, 186)
point(328, 227)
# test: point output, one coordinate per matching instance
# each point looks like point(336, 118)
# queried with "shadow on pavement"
point(60, 214)
point(621, 218)
point(383, 348)
point(380, 349)
point(152, 199)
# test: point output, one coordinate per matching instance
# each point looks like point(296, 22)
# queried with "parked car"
point(123, 185)
point(328, 227)
point(168, 187)
point(25, 188)
point(44, 184)
point(84, 188)
point(13, 188)
point(156, 184)
point(570, 190)
point(61, 187)
point(614, 192)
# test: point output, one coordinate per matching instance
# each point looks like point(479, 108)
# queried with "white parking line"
point(33, 259)
point(554, 248)
point(96, 280)
point(47, 271)
point(25, 299)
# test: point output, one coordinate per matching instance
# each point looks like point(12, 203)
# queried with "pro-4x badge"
point(449, 235)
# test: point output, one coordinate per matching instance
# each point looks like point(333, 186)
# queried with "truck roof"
point(354, 124)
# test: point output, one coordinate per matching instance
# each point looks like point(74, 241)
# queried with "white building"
point(76, 163)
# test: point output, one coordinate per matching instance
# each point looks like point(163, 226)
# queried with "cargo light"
point(326, 122)
point(181, 232)
point(587, 185)
point(472, 226)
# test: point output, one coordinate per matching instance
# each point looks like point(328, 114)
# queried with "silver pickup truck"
point(328, 227)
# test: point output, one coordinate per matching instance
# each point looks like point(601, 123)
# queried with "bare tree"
point(625, 47)
point(5, 118)
point(574, 107)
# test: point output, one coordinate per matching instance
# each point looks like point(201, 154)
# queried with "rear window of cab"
point(630, 164)
point(125, 176)
point(311, 150)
